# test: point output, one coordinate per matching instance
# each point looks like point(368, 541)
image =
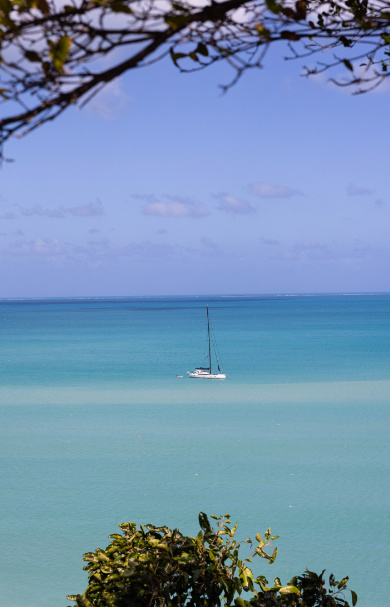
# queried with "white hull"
point(207, 375)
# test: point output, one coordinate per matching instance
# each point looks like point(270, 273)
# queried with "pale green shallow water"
point(296, 438)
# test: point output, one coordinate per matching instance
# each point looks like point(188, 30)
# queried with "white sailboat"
point(206, 372)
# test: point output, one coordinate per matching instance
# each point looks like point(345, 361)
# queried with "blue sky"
point(163, 186)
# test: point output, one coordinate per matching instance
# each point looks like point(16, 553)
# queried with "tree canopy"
point(158, 567)
point(55, 53)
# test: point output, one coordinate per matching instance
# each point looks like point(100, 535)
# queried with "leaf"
point(204, 522)
point(176, 21)
point(300, 8)
point(120, 7)
point(196, 575)
point(262, 31)
point(263, 583)
point(5, 10)
point(345, 41)
point(43, 6)
point(288, 35)
point(244, 577)
point(289, 590)
point(202, 49)
point(32, 56)
point(176, 56)
point(273, 556)
point(288, 12)
point(348, 64)
point(182, 9)
point(59, 52)
point(273, 6)
point(354, 597)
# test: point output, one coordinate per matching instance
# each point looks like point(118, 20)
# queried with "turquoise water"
point(297, 437)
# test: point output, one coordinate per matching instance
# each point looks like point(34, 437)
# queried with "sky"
point(163, 185)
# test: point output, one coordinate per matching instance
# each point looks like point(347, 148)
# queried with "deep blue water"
point(297, 437)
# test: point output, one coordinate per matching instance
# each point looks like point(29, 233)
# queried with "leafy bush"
point(158, 567)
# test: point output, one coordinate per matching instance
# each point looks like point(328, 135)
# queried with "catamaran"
point(206, 372)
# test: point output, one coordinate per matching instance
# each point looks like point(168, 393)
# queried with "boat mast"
point(208, 333)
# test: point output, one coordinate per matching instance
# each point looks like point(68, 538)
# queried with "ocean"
point(98, 428)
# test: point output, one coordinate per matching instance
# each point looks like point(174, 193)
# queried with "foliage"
point(51, 52)
point(157, 567)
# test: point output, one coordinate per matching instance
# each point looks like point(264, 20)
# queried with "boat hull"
point(207, 375)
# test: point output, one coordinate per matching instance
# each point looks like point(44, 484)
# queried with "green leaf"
point(59, 52)
point(289, 590)
point(263, 32)
point(204, 522)
point(354, 598)
point(120, 7)
point(273, 6)
point(176, 21)
point(273, 556)
point(176, 56)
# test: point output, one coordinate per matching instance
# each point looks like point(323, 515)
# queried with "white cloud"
point(177, 207)
point(308, 252)
point(41, 247)
point(104, 250)
point(264, 189)
point(231, 204)
point(40, 211)
point(354, 190)
point(91, 209)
